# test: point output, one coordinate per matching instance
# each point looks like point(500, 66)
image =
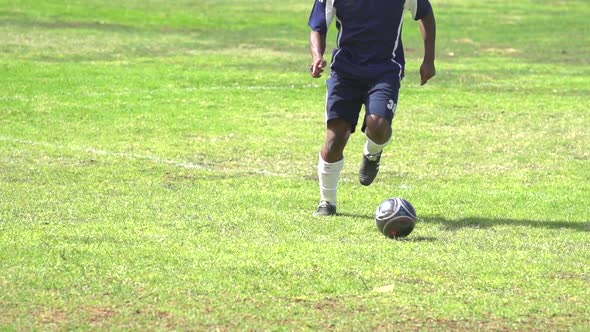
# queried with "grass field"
point(158, 172)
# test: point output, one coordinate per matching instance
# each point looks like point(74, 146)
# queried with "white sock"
point(372, 148)
point(329, 173)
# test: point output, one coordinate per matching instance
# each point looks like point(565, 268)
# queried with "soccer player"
point(367, 67)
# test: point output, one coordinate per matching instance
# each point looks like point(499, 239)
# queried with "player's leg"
point(331, 161)
point(343, 103)
point(380, 109)
point(378, 133)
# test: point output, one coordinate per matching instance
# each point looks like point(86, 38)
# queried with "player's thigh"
point(344, 99)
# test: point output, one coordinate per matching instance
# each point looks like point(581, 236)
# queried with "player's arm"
point(317, 45)
point(428, 28)
point(321, 17)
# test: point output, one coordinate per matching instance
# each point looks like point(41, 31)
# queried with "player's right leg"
point(343, 103)
point(331, 161)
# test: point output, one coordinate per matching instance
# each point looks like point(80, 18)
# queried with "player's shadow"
point(355, 215)
point(483, 223)
point(479, 222)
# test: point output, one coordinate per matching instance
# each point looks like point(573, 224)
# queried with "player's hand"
point(317, 67)
point(427, 71)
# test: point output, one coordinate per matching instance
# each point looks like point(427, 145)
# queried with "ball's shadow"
point(371, 218)
point(411, 238)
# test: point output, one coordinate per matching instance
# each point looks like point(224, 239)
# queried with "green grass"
point(158, 172)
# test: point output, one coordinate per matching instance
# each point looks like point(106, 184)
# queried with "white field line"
point(126, 92)
point(255, 87)
point(132, 156)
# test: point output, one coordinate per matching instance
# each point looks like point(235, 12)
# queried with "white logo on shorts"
point(391, 105)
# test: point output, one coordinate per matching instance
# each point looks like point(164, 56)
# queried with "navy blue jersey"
point(369, 41)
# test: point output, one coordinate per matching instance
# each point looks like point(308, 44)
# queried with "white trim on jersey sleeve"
point(412, 6)
point(330, 12)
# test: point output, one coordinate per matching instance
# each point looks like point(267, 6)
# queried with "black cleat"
point(325, 209)
point(369, 168)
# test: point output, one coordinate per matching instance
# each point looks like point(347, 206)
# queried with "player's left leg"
point(378, 133)
point(380, 106)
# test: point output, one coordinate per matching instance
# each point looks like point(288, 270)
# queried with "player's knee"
point(378, 129)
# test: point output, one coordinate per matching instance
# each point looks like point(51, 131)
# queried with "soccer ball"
point(395, 217)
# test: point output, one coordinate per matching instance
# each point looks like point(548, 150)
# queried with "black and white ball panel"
point(396, 217)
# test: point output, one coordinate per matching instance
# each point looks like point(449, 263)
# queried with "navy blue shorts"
point(346, 96)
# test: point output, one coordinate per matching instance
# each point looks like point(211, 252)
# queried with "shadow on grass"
point(412, 238)
point(355, 215)
point(371, 218)
point(479, 222)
